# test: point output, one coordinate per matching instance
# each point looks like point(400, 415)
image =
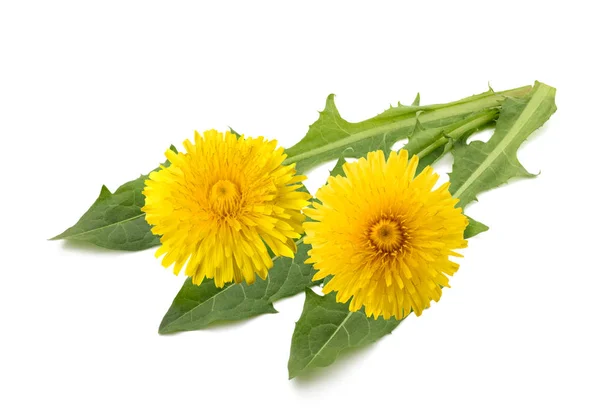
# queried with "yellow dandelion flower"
point(218, 206)
point(385, 236)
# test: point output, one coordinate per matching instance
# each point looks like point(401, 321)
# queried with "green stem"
point(454, 131)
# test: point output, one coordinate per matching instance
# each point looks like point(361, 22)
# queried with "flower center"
point(387, 235)
point(224, 198)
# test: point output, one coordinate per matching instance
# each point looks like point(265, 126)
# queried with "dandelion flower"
point(385, 236)
point(220, 205)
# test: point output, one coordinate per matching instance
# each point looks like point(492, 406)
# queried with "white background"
point(93, 94)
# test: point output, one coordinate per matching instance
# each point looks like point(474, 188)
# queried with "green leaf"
point(327, 328)
point(116, 220)
point(195, 307)
point(474, 228)
point(482, 166)
point(330, 135)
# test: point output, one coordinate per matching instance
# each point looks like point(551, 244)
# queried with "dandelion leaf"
point(480, 167)
point(327, 328)
point(196, 307)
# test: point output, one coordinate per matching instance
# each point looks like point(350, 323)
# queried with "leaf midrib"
point(100, 228)
point(532, 106)
point(330, 338)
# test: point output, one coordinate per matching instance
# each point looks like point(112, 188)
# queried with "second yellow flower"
point(385, 236)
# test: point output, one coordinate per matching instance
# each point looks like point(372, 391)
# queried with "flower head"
point(385, 236)
point(218, 206)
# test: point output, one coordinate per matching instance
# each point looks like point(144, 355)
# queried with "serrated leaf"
point(115, 220)
point(330, 135)
point(327, 328)
point(195, 307)
point(482, 166)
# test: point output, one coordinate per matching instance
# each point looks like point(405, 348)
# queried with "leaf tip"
point(417, 100)
point(104, 192)
point(330, 106)
point(164, 330)
point(62, 235)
